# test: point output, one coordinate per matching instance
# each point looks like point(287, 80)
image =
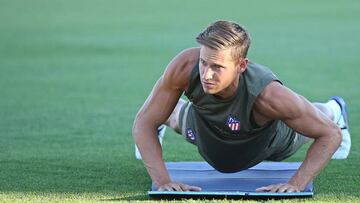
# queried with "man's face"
point(218, 71)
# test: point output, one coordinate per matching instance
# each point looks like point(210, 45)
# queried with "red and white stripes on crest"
point(233, 124)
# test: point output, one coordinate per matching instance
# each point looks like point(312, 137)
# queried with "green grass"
point(74, 73)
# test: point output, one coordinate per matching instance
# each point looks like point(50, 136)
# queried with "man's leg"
point(335, 110)
point(179, 121)
point(174, 119)
point(325, 109)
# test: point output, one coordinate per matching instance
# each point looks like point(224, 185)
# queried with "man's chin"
point(210, 91)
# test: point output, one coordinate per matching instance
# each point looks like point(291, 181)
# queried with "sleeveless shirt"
point(226, 134)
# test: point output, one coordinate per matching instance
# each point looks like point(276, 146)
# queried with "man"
point(238, 113)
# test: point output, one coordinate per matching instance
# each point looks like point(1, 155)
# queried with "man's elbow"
point(136, 126)
point(336, 136)
point(141, 124)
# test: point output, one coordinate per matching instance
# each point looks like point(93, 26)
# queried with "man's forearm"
point(317, 157)
point(151, 153)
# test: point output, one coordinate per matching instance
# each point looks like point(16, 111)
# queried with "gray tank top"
point(226, 135)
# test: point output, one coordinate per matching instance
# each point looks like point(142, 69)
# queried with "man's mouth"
point(208, 84)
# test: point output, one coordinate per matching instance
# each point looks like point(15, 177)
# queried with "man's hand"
point(172, 186)
point(282, 187)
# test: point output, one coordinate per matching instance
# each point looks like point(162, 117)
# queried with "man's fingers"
point(168, 187)
point(178, 187)
point(278, 188)
point(283, 188)
point(293, 189)
point(165, 188)
point(186, 187)
point(264, 189)
point(275, 188)
point(290, 190)
point(194, 188)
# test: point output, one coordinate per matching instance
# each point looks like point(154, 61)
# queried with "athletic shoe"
point(343, 151)
point(160, 133)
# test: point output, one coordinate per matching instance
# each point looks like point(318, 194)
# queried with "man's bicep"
point(277, 102)
point(281, 103)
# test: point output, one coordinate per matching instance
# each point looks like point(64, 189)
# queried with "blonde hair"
point(225, 34)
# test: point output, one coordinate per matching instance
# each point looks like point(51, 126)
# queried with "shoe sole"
point(342, 105)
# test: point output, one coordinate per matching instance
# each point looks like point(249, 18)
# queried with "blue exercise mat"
point(232, 185)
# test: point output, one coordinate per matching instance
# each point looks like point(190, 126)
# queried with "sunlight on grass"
point(73, 74)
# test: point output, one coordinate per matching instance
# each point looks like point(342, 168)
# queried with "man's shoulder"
point(187, 58)
point(191, 52)
point(258, 77)
point(256, 67)
point(179, 69)
point(271, 92)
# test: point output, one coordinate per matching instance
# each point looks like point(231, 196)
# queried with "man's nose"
point(208, 73)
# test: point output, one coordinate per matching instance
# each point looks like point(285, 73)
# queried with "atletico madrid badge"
point(233, 123)
point(190, 134)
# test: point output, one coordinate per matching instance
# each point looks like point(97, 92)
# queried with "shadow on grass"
point(136, 197)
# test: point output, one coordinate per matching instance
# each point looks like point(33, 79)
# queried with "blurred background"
point(74, 73)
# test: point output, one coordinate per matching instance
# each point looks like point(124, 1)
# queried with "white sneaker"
point(160, 132)
point(343, 151)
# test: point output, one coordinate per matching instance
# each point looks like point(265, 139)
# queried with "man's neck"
point(229, 91)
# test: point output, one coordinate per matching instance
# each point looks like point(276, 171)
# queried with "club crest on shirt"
point(233, 123)
point(190, 134)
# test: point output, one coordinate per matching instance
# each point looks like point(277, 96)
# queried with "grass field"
point(74, 73)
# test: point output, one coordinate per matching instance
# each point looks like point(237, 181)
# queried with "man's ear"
point(242, 65)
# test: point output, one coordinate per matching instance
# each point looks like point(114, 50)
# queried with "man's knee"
point(173, 120)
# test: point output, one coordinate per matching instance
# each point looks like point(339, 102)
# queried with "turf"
point(74, 73)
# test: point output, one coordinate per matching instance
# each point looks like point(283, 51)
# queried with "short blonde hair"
point(225, 34)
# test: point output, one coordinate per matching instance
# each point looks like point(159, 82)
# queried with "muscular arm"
point(157, 108)
point(279, 102)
